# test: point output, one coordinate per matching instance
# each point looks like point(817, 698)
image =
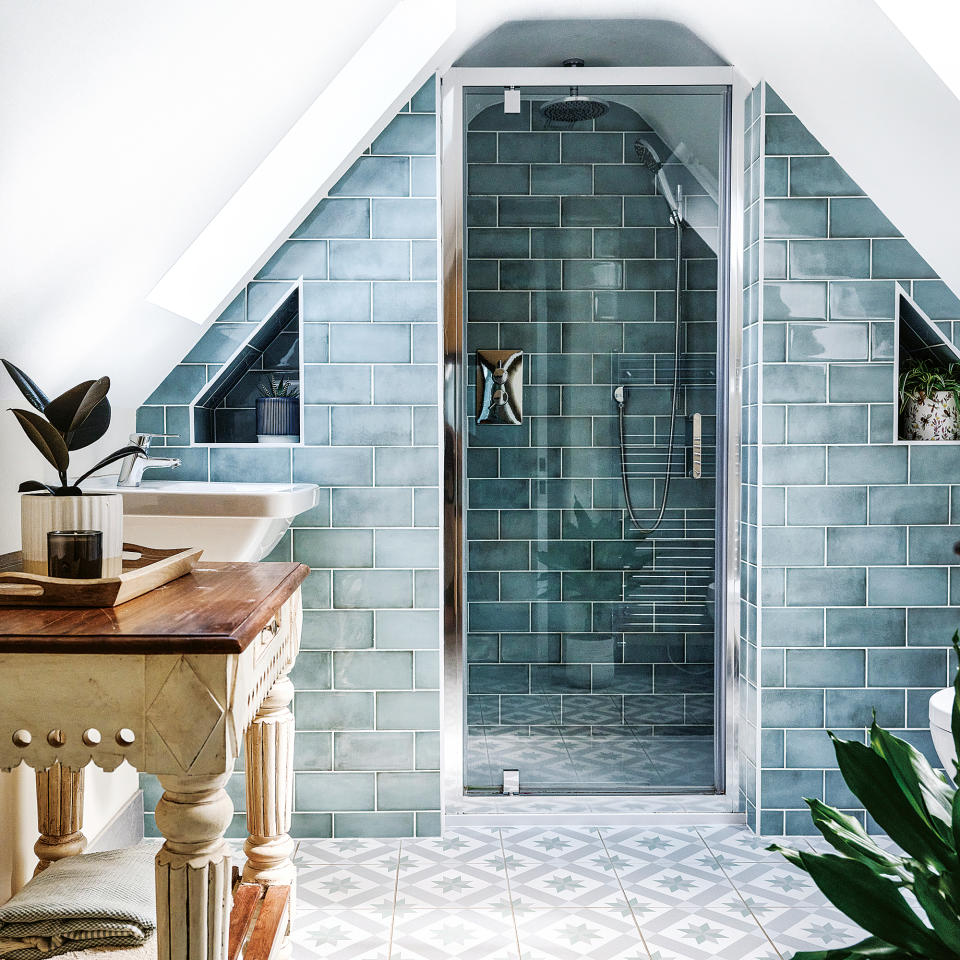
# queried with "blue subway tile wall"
point(571, 258)
point(850, 608)
point(367, 678)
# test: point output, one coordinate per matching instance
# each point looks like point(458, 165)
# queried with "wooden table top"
point(218, 608)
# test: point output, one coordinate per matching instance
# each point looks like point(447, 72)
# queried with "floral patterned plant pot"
point(932, 417)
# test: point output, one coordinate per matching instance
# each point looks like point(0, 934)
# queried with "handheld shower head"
point(652, 162)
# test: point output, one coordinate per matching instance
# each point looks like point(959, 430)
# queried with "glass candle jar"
point(75, 554)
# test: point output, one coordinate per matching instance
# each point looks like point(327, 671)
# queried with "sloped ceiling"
point(128, 125)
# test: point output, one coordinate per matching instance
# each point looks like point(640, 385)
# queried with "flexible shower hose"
point(635, 523)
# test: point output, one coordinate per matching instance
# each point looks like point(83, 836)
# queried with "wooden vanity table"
point(170, 682)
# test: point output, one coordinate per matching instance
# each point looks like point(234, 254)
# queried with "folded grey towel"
point(92, 900)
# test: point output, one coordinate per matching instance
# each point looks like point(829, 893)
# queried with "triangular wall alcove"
point(224, 412)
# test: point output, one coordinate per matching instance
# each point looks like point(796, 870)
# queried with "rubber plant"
point(909, 904)
point(72, 421)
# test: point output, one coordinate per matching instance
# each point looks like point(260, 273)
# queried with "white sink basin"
point(231, 521)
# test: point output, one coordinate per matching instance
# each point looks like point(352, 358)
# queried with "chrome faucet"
point(132, 467)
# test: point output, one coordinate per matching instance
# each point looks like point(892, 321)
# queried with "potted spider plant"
point(929, 400)
point(74, 420)
point(278, 411)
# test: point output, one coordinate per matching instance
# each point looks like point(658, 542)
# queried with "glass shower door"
point(590, 639)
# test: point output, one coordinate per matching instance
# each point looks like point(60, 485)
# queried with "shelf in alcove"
point(223, 414)
point(916, 335)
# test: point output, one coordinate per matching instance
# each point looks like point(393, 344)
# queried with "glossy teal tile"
point(363, 343)
point(335, 711)
point(498, 616)
point(793, 627)
point(334, 791)
point(373, 824)
point(794, 301)
point(860, 464)
point(589, 212)
point(407, 134)
point(361, 426)
point(369, 260)
point(795, 383)
point(346, 466)
point(372, 588)
point(337, 630)
point(334, 548)
point(792, 708)
point(592, 147)
point(914, 587)
point(372, 670)
point(498, 555)
point(855, 708)
point(861, 382)
point(236, 463)
point(314, 751)
point(411, 466)
point(404, 383)
point(339, 302)
point(425, 99)
point(312, 671)
point(630, 242)
point(828, 341)
point(785, 134)
point(853, 300)
point(795, 546)
point(831, 668)
point(529, 148)
point(375, 177)
point(427, 751)
point(933, 544)
point(898, 260)
point(820, 177)
point(372, 751)
point(848, 546)
point(183, 383)
point(531, 274)
point(408, 711)
point(913, 504)
point(909, 668)
point(830, 506)
point(529, 211)
point(795, 218)
point(936, 299)
point(567, 179)
point(828, 423)
point(859, 217)
point(405, 219)
point(407, 548)
point(830, 259)
point(382, 507)
point(492, 242)
point(794, 465)
point(408, 791)
point(498, 178)
point(338, 218)
point(407, 629)
point(843, 586)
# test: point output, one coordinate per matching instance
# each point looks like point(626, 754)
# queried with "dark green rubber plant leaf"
point(68, 411)
point(925, 789)
point(45, 437)
point(34, 486)
point(133, 449)
point(866, 774)
point(845, 835)
point(875, 903)
point(93, 428)
point(940, 911)
point(31, 392)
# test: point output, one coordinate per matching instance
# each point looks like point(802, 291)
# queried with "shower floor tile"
point(563, 893)
point(563, 758)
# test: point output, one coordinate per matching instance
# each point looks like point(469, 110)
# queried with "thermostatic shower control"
point(500, 386)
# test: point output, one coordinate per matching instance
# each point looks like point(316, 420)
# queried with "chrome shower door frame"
point(452, 192)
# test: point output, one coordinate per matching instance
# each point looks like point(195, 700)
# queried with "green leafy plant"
point(69, 422)
point(910, 904)
point(278, 387)
point(922, 378)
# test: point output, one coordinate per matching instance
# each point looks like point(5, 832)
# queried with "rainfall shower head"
point(574, 108)
point(652, 162)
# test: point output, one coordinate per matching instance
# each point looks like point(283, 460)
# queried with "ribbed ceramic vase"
point(40, 513)
point(934, 417)
point(278, 419)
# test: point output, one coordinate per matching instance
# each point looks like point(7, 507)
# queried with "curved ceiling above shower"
point(600, 43)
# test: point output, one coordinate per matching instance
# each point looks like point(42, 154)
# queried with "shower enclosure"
point(588, 396)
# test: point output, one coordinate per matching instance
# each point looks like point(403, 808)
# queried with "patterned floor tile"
point(584, 935)
point(341, 935)
point(471, 884)
point(649, 844)
point(347, 850)
point(780, 884)
point(465, 845)
point(794, 929)
point(355, 885)
point(668, 883)
point(443, 934)
point(705, 934)
point(563, 843)
point(737, 844)
point(562, 883)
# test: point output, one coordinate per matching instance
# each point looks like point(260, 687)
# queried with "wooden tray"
point(151, 569)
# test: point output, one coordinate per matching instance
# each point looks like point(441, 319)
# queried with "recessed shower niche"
point(225, 410)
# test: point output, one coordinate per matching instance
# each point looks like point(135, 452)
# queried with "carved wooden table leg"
point(59, 815)
point(268, 745)
point(193, 868)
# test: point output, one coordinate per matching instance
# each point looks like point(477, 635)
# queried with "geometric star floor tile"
point(341, 935)
point(592, 934)
point(443, 934)
point(563, 893)
point(704, 935)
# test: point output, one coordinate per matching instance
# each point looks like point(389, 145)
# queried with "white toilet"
point(941, 708)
